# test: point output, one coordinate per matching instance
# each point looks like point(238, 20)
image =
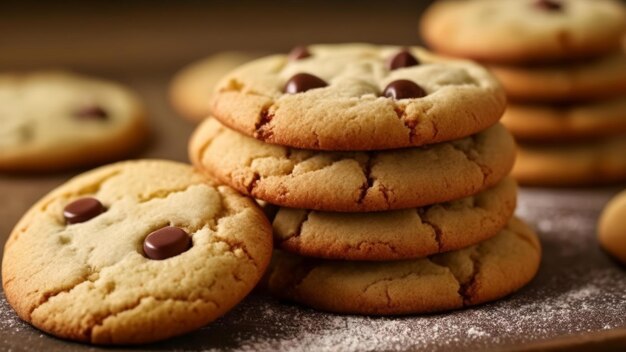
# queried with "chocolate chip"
point(91, 112)
point(298, 53)
point(402, 59)
point(166, 242)
point(550, 5)
point(302, 82)
point(82, 210)
point(403, 89)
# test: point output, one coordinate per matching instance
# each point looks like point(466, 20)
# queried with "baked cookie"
point(134, 252)
point(353, 181)
point(57, 120)
point(593, 79)
point(399, 234)
point(358, 97)
point(191, 88)
point(478, 274)
point(612, 227)
point(596, 162)
point(519, 31)
point(566, 122)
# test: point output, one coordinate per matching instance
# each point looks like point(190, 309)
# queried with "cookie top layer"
point(517, 31)
point(346, 105)
point(594, 79)
point(477, 274)
point(399, 234)
point(353, 181)
point(612, 227)
point(58, 120)
point(65, 250)
point(191, 88)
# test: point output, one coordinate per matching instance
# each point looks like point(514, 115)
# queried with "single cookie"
point(478, 274)
point(596, 162)
point(134, 252)
point(594, 79)
point(191, 88)
point(612, 227)
point(58, 120)
point(566, 122)
point(519, 31)
point(358, 97)
point(353, 181)
point(400, 234)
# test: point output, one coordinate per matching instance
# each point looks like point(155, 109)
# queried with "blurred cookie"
point(485, 272)
point(57, 120)
point(566, 122)
point(358, 97)
point(399, 234)
point(134, 252)
point(191, 88)
point(593, 79)
point(353, 181)
point(519, 31)
point(595, 162)
point(612, 227)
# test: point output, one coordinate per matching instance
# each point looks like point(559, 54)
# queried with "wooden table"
point(577, 300)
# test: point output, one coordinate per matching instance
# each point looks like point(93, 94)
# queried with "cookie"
point(595, 162)
point(521, 31)
point(399, 234)
point(566, 122)
point(353, 181)
point(191, 88)
point(358, 97)
point(53, 120)
point(481, 273)
point(134, 252)
point(599, 78)
point(612, 227)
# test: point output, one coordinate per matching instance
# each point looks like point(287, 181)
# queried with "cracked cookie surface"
point(91, 282)
point(518, 31)
point(52, 120)
point(350, 113)
point(399, 234)
point(353, 181)
point(485, 272)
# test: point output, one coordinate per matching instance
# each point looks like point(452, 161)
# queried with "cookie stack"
point(562, 67)
point(378, 159)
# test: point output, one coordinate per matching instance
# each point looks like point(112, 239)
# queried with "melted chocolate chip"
point(82, 210)
point(166, 242)
point(92, 112)
point(402, 59)
point(403, 89)
point(302, 82)
point(298, 53)
point(549, 5)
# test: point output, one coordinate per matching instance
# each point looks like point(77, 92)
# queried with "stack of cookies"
point(386, 169)
point(562, 66)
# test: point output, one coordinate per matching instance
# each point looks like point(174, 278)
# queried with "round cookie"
point(593, 79)
point(353, 181)
point(587, 163)
point(78, 264)
point(566, 122)
point(520, 31)
point(191, 88)
point(481, 273)
point(612, 227)
point(399, 234)
point(358, 97)
point(57, 120)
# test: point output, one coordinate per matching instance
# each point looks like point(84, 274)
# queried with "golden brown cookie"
point(481, 273)
point(134, 252)
point(400, 234)
point(353, 181)
point(612, 227)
